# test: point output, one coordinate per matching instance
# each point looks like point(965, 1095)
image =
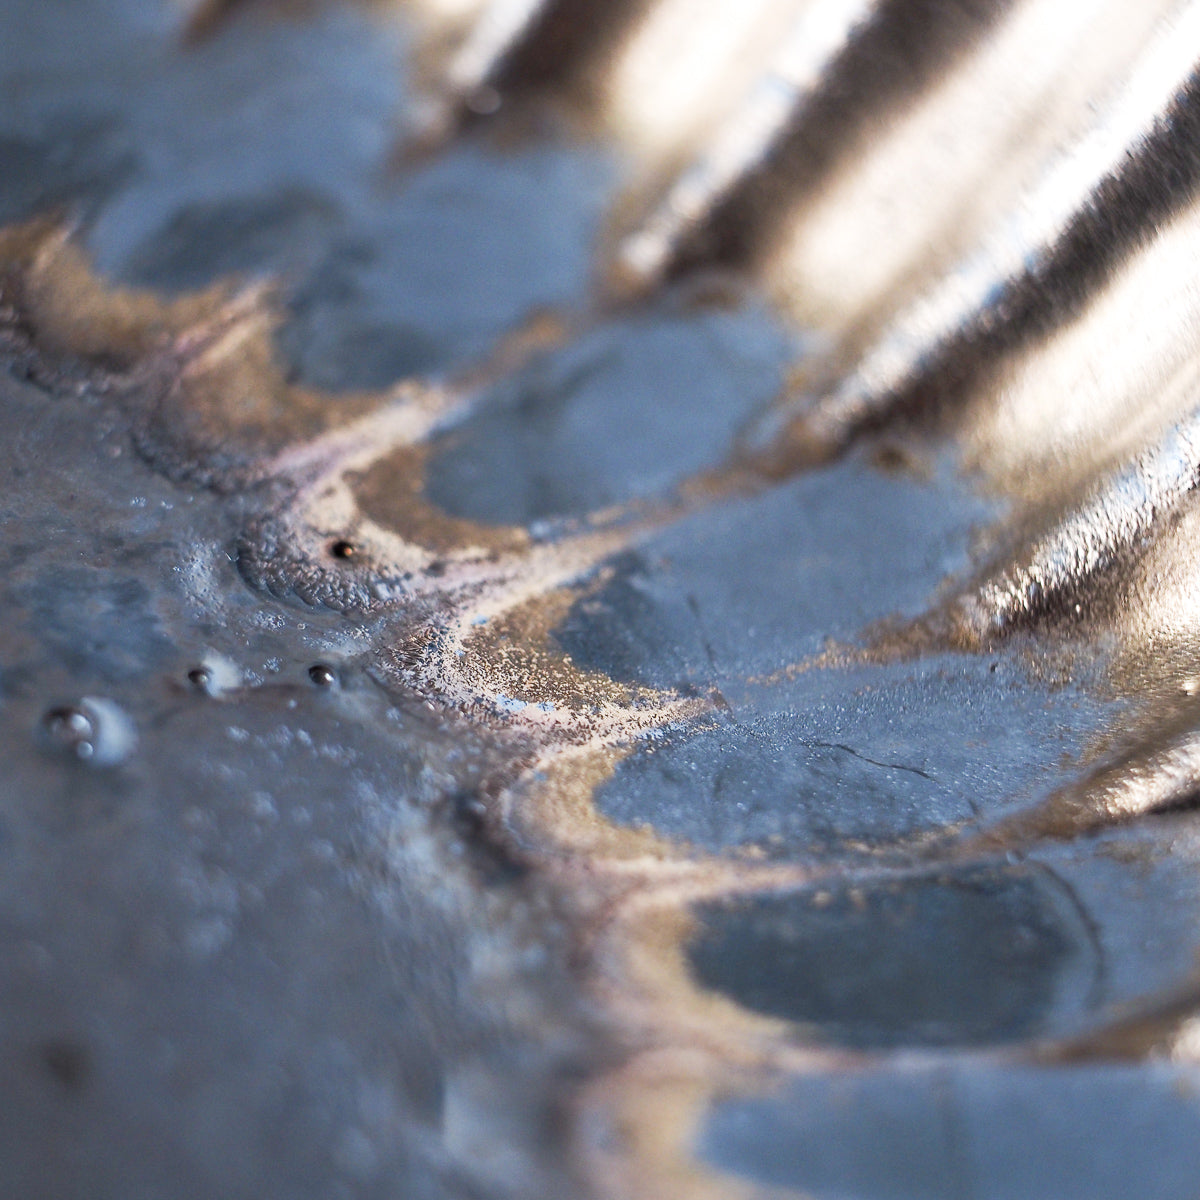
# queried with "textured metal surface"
point(599, 599)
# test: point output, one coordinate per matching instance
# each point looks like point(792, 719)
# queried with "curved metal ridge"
point(1074, 226)
point(1036, 268)
point(1067, 232)
point(1062, 566)
point(747, 672)
point(838, 63)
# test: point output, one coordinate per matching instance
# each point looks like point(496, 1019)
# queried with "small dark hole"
point(470, 810)
point(322, 675)
point(437, 568)
point(342, 550)
point(199, 678)
point(68, 1063)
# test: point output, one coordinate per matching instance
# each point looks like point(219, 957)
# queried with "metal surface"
point(599, 600)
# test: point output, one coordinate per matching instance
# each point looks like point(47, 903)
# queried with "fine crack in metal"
point(864, 758)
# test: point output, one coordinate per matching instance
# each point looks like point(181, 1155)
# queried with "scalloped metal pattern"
point(600, 599)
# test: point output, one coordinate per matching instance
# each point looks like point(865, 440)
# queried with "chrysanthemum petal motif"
point(600, 598)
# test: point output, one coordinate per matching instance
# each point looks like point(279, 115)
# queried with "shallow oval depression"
point(1096, 1132)
point(623, 413)
point(977, 955)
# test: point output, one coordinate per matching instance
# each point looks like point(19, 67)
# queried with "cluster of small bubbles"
point(322, 675)
point(94, 730)
point(73, 729)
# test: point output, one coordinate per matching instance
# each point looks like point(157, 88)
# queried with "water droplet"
point(72, 729)
point(342, 550)
point(215, 675)
point(95, 729)
point(484, 101)
point(322, 675)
